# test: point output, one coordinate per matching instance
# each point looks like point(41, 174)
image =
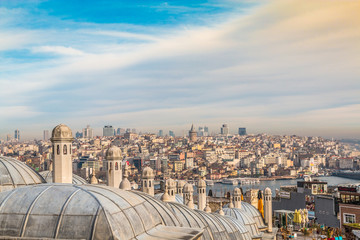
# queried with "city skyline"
point(280, 67)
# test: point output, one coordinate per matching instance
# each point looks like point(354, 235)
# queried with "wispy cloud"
point(282, 67)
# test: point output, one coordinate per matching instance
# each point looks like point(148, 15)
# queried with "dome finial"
point(221, 212)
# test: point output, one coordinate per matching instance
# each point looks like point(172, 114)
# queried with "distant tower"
point(192, 134)
point(46, 135)
point(148, 181)
point(268, 208)
point(201, 189)
point(237, 198)
point(113, 167)
point(188, 195)
point(17, 135)
point(224, 129)
point(62, 139)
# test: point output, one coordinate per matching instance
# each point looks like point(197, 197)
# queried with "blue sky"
point(281, 67)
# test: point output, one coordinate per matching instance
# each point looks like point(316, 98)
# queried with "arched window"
point(110, 166)
point(145, 185)
point(70, 149)
point(65, 149)
point(58, 149)
point(172, 192)
point(116, 166)
point(149, 183)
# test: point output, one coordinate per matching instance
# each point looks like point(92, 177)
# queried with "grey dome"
point(14, 173)
point(245, 218)
point(66, 211)
point(254, 212)
point(47, 175)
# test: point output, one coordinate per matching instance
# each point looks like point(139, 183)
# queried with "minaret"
point(231, 204)
point(237, 198)
point(113, 167)
point(125, 183)
point(268, 208)
point(188, 195)
point(147, 180)
point(201, 189)
point(62, 156)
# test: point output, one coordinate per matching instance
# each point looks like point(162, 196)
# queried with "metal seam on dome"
point(17, 171)
point(132, 228)
point(30, 209)
point(7, 169)
point(94, 223)
point(63, 208)
point(97, 200)
point(24, 166)
point(7, 197)
point(184, 217)
point(162, 207)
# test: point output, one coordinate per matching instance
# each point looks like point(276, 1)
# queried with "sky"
point(277, 67)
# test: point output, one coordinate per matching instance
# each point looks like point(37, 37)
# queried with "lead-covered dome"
point(66, 211)
point(14, 173)
point(254, 212)
point(47, 175)
point(61, 131)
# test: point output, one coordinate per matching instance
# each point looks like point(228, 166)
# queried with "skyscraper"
point(17, 135)
point(224, 129)
point(120, 131)
point(171, 133)
point(46, 135)
point(242, 131)
point(87, 132)
point(108, 131)
point(161, 133)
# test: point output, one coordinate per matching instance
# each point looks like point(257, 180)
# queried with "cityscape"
point(168, 120)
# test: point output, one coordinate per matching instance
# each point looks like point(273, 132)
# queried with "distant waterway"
point(220, 189)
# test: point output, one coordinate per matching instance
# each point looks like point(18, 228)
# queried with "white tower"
point(188, 195)
point(268, 208)
point(62, 156)
point(237, 198)
point(147, 180)
point(113, 167)
point(201, 189)
point(180, 187)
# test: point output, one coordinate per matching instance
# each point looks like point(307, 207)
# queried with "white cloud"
point(61, 50)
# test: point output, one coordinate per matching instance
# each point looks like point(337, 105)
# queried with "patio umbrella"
point(297, 217)
point(260, 204)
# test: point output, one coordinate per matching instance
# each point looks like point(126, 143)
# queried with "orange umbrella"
point(260, 203)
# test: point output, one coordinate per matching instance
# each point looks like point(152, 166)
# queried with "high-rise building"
point(161, 133)
point(242, 131)
point(17, 135)
point(133, 130)
point(201, 132)
point(87, 132)
point(224, 129)
point(120, 131)
point(206, 131)
point(8, 137)
point(46, 135)
point(171, 133)
point(108, 131)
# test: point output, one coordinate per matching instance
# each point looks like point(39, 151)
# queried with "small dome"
point(47, 175)
point(125, 184)
point(82, 212)
point(188, 188)
point(113, 152)
point(178, 198)
point(268, 191)
point(15, 174)
point(181, 183)
point(254, 212)
point(61, 131)
point(148, 173)
point(165, 197)
point(237, 192)
point(201, 183)
point(170, 183)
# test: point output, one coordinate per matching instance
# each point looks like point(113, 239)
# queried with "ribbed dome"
point(201, 183)
point(14, 173)
point(254, 212)
point(245, 218)
point(267, 191)
point(188, 188)
point(47, 175)
point(67, 211)
point(178, 198)
point(113, 152)
point(61, 131)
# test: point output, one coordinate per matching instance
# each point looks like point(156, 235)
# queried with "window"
point(58, 149)
point(149, 183)
point(349, 218)
point(116, 166)
point(65, 149)
point(70, 149)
